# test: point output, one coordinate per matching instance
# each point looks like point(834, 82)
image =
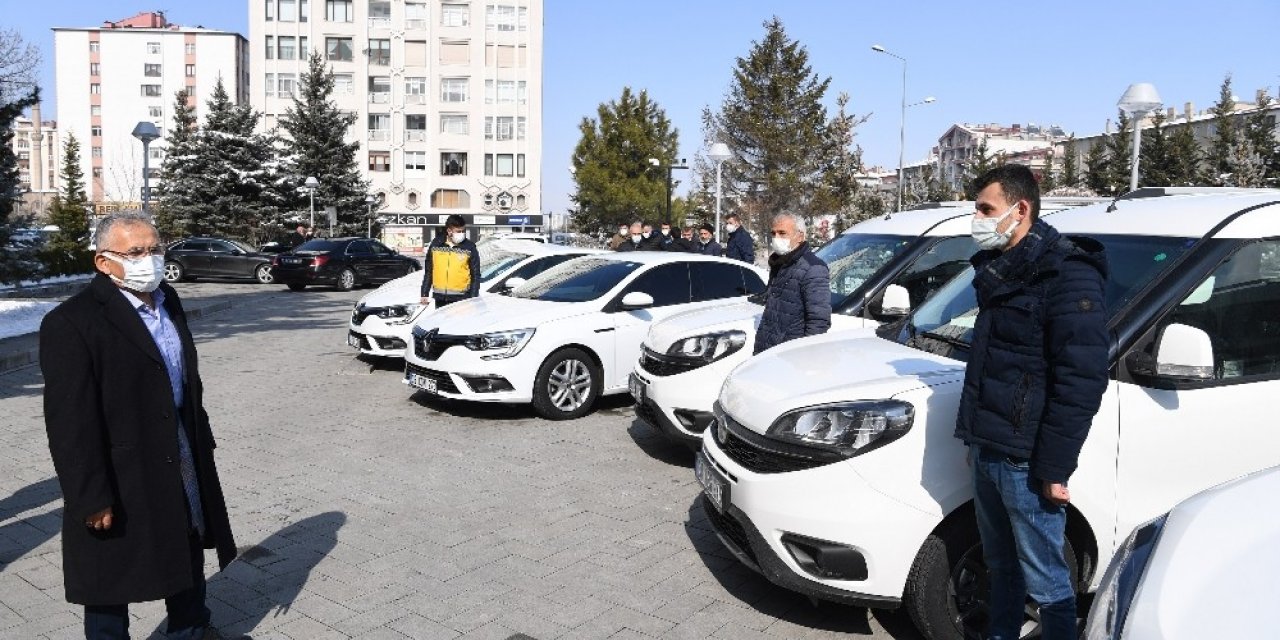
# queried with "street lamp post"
point(1139, 99)
point(669, 167)
point(146, 132)
point(719, 153)
point(369, 200)
point(310, 185)
point(902, 128)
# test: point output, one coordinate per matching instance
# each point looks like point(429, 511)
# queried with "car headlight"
point(1120, 582)
point(504, 344)
point(849, 428)
point(709, 347)
point(402, 313)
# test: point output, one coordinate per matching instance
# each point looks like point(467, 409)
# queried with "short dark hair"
point(733, 216)
point(706, 226)
point(1018, 183)
point(455, 221)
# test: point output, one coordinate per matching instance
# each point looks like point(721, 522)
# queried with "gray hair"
point(797, 220)
point(126, 218)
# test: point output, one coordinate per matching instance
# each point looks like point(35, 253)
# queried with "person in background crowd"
point(707, 246)
point(685, 242)
point(452, 267)
point(650, 239)
point(738, 245)
point(635, 239)
point(666, 238)
point(618, 239)
point(299, 236)
point(797, 302)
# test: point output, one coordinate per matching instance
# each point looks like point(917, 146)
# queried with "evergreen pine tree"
point(16, 262)
point(178, 194)
point(236, 167)
point(1220, 156)
point(1259, 130)
point(1097, 169)
point(772, 119)
point(616, 184)
point(838, 180)
point(1156, 165)
point(1120, 151)
point(316, 146)
point(1185, 167)
point(1048, 176)
point(1070, 164)
point(67, 252)
point(981, 162)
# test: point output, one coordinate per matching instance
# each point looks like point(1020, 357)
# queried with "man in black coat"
point(797, 302)
point(635, 239)
point(130, 441)
point(738, 245)
point(299, 236)
point(706, 245)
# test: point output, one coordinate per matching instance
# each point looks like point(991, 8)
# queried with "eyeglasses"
point(135, 253)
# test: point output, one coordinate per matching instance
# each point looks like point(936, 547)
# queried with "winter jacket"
point(1038, 360)
point(709, 249)
point(629, 245)
point(797, 302)
point(738, 246)
point(451, 270)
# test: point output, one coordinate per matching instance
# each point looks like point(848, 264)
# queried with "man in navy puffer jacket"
point(1036, 373)
point(797, 302)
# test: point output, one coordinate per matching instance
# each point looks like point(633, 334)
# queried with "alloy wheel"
point(569, 385)
point(172, 271)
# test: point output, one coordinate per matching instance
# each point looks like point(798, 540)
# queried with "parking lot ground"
point(365, 511)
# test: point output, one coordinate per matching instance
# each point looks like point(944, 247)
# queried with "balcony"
point(416, 24)
point(379, 97)
point(415, 98)
point(415, 135)
point(379, 23)
point(379, 135)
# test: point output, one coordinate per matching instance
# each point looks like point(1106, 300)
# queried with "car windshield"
point(577, 280)
point(855, 257)
point(320, 246)
point(494, 261)
point(945, 321)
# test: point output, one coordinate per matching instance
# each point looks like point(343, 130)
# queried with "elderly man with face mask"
point(798, 300)
point(131, 442)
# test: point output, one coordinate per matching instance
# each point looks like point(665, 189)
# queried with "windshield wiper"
point(951, 340)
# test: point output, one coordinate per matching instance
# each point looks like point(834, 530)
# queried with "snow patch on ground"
point(18, 317)
point(47, 281)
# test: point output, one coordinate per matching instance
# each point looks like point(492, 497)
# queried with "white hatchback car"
point(833, 470)
point(381, 321)
point(902, 257)
point(568, 335)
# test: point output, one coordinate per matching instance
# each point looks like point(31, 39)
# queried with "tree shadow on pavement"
point(18, 537)
point(658, 446)
point(755, 591)
point(268, 577)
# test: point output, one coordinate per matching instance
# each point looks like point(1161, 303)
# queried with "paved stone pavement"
point(365, 511)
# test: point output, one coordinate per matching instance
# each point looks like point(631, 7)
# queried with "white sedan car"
point(382, 319)
point(569, 335)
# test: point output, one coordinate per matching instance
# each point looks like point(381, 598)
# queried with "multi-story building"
point(1018, 144)
point(447, 94)
point(35, 143)
point(110, 78)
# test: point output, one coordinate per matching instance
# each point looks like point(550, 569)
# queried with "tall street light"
point(369, 200)
point(1138, 100)
point(719, 153)
point(310, 185)
point(146, 132)
point(902, 129)
point(669, 167)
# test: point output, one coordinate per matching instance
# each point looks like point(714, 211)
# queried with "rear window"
point(321, 246)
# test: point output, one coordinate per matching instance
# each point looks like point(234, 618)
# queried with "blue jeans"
point(188, 615)
point(1022, 540)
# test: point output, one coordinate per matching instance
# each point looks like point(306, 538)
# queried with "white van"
point(832, 468)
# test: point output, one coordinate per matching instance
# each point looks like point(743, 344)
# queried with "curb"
point(21, 359)
point(46, 290)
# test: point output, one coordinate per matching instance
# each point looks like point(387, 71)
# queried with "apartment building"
point(1028, 145)
point(448, 99)
point(111, 77)
point(36, 145)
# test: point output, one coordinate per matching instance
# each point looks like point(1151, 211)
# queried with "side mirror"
point(1184, 353)
point(512, 283)
point(636, 300)
point(896, 301)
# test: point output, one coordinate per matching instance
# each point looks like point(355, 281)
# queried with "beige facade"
point(447, 97)
point(1019, 144)
point(39, 152)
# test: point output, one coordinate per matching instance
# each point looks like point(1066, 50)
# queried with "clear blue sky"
point(1009, 62)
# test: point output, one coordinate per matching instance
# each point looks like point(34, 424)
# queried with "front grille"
point(663, 365)
point(759, 459)
point(729, 527)
point(431, 346)
point(444, 382)
point(387, 343)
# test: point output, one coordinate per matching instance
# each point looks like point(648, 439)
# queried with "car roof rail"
point(1160, 192)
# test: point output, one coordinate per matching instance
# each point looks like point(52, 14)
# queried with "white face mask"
point(731, 227)
point(142, 275)
point(635, 237)
point(647, 234)
point(985, 230)
point(666, 232)
point(622, 231)
point(458, 237)
point(780, 245)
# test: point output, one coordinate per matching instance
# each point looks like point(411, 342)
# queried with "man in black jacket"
point(738, 245)
point(130, 441)
point(797, 302)
point(707, 246)
point(1036, 373)
point(634, 240)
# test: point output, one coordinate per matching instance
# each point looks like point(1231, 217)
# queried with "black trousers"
point(188, 615)
point(442, 300)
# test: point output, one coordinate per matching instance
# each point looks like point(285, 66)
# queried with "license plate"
point(292, 260)
point(353, 341)
point(637, 387)
point(714, 487)
point(421, 382)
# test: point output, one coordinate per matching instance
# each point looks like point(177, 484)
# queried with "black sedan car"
point(215, 258)
point(342, 262)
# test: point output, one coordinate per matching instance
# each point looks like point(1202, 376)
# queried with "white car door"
point(668, 285)
point(1175, 442)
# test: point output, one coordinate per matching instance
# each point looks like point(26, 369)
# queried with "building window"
point(499, 128)
point(153, 48)
point(455, 15)
point(93, 47)
point(412, 198)
point(288, 10)
point(269, 84)
point(453, 89)
point(379, 127)
point(454, 123)
point(450, 199)
point(380, 51)
point(520, 127)
point(379, 161)
point(303, 50)
point(156, 153)
point(303, 11)
point(415, 127)
point(286, 46)
point(380, 89)
point(96, 110)
point(504, 92)
point(415, 90)
point(151, 70)
point(415, 53)
point(95, 131)
point(155, 111)
point(415, 160)
point(379, 14)
point(500, 17)
point(191, 48)
point(453, 163)
point(191, 71)
point(271, 9)
point(506, 56)
point(287, 85)
point(338, 10)
point(151, 90)
point(97, 152)
point(416, 15)
point(97, 173)
point(519, 165)
point(95, 69)
point(338, 48)
point(455, 53)
point(271, 48)
point(343, 84)
point(95, 88)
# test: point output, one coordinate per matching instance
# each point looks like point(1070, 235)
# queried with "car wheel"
point(346, 280)
point(263, 274)
point(567, 385)
point(173, 272)
point(947, 589)
point(297, 286)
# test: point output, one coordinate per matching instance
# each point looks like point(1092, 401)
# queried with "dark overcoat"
point(113, 435)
